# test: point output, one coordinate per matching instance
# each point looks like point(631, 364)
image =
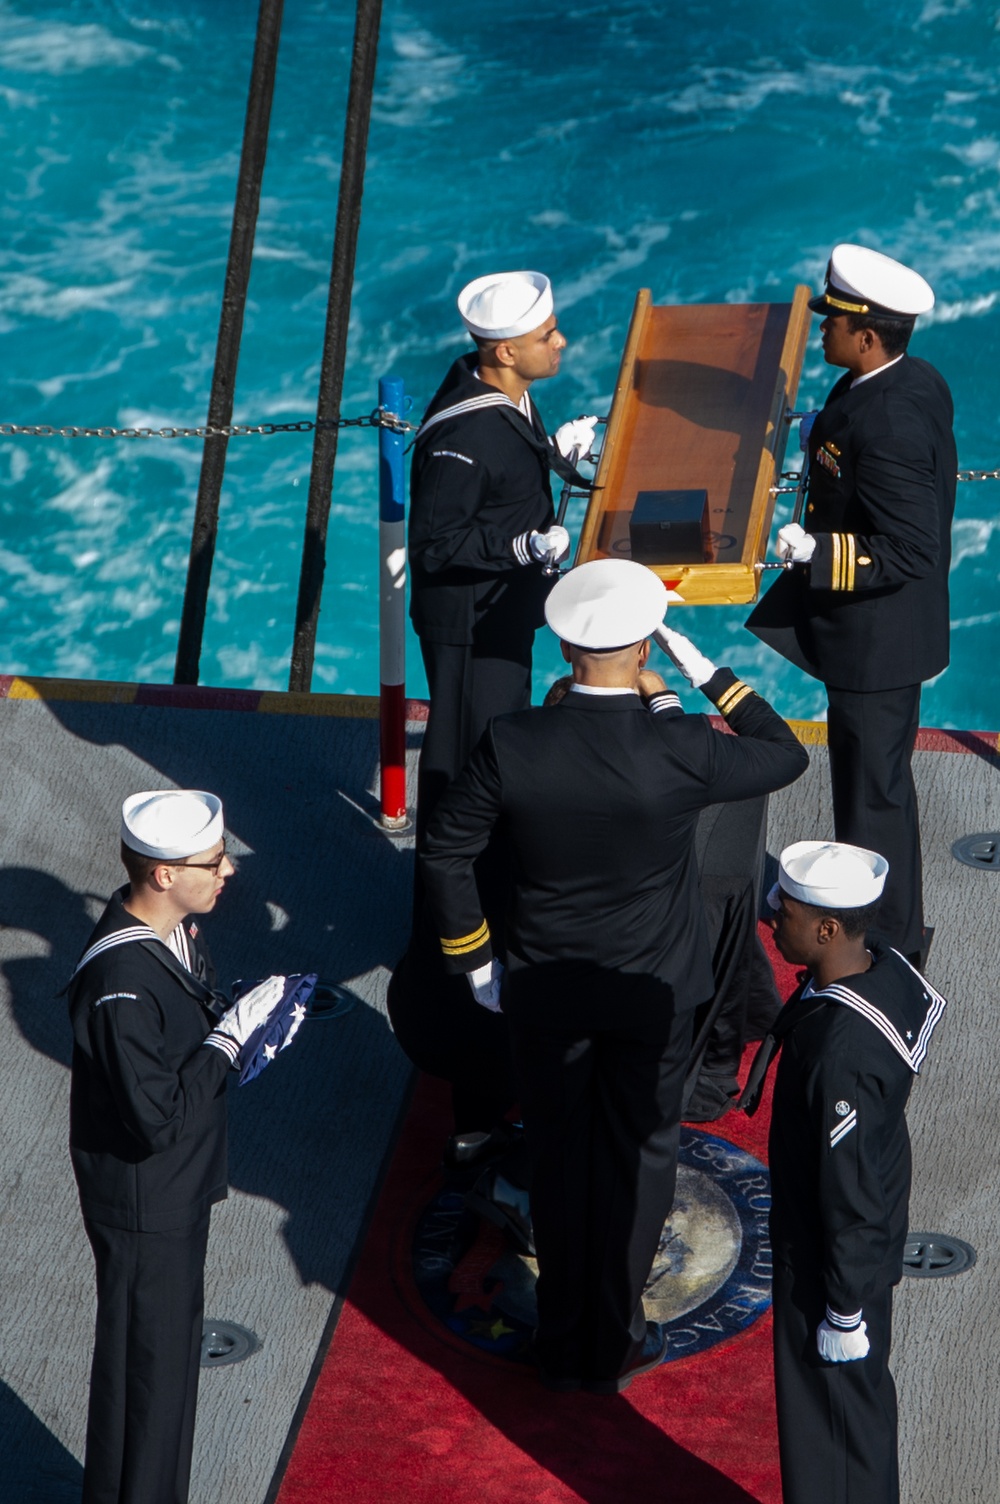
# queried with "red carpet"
point(405, 1409)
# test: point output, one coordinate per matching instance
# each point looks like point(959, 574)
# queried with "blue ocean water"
point(711, 152)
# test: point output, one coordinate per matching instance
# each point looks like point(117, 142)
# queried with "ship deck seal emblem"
point(711, 1278)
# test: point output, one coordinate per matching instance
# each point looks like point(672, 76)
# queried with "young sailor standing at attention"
point(481, 524)
point(481, 533)
point(852, 1039)
point(148, 1137)
point(865, 609)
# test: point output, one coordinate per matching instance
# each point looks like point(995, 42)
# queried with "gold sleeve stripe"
point(845, 550)
point(466, 943)
point(727, 694)
point(732, 700)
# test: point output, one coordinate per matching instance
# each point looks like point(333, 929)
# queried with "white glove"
point(253, 1009)
point(485, 984)
point(578, 434)
point(794, 544)
point(696, 668)
point(550, 547)
point(842, 1347)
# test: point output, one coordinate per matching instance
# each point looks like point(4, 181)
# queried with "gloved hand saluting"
point(247, 1015)
point(794, 544)
point(696, 668)
point(550, 547)
point(835, 1346)
point(578, 434)
point(485, 984)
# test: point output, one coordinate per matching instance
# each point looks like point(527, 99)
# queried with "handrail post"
point(338, 312)
point(227, 349)
point(392, 612)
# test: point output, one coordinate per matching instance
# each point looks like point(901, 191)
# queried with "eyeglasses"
point(212, 867)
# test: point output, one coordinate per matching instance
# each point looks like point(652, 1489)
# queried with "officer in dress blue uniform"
point(864, 604)
point(852, 1038)
point(607, 949)
point(148, 1137)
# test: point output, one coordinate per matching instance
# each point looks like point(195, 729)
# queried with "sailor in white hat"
point(484, 548)
point(482, 530)
point(863, 604)
point(151, 1056)
point(852, 1038)
point(607, 953)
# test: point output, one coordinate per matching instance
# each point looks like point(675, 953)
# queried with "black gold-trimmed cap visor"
point(834, 300)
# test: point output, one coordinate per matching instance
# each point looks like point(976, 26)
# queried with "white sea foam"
point(423, 75)
point(983, 152)
point(28, 45)
point(962, 308)
point(628, 251)
point(971, 537)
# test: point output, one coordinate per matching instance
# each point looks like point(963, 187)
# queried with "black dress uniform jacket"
point(598, 801)
point(480, 479)
point(839, 1148)
point(840, 1178)
point(607, 955)
point(870, 612)
point(147, 1103)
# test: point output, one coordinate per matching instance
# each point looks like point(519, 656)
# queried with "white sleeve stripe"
point(843, 1130)
point(224, 1043)
point(522, 549)
point(843, 1323)
point(665, 700)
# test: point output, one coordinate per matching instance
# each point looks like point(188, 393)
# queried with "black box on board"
point(667, 527)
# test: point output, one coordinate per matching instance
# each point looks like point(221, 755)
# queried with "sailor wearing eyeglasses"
point(152, 1049)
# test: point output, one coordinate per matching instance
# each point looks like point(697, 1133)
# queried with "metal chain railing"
point(378, 418)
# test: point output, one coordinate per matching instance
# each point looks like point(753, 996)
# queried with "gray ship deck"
point(319, 886)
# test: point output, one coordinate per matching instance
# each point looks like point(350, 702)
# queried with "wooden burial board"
point(700, 404)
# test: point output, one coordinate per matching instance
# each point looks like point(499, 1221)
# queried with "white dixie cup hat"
point(859, 280)
point(172, 824)
point(503, 305)
point(829, 875)
point(607, 603)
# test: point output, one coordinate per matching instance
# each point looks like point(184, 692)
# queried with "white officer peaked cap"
point(172, 824)
point(608, 603)
point(862, 281)
point(831, 874)
point(505, 304)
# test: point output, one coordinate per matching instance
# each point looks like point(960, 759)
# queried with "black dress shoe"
point(650, 1355)
point(464, 1151)
point(506, 1206)
point(559, 1383)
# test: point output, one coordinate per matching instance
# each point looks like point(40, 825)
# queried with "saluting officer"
point(852, 1038)
point(865, 608)
point(481, 524)
point(607, 950)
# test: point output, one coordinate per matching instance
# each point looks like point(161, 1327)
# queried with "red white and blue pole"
point(392, 610)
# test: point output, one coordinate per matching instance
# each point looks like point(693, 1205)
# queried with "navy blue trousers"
point(147, 1351)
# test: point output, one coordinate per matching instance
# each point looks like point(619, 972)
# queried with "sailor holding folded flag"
point(153, 1046)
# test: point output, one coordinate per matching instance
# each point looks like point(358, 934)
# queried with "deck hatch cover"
point(224, 1342)
point(935, 1255)
point(979, 851)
